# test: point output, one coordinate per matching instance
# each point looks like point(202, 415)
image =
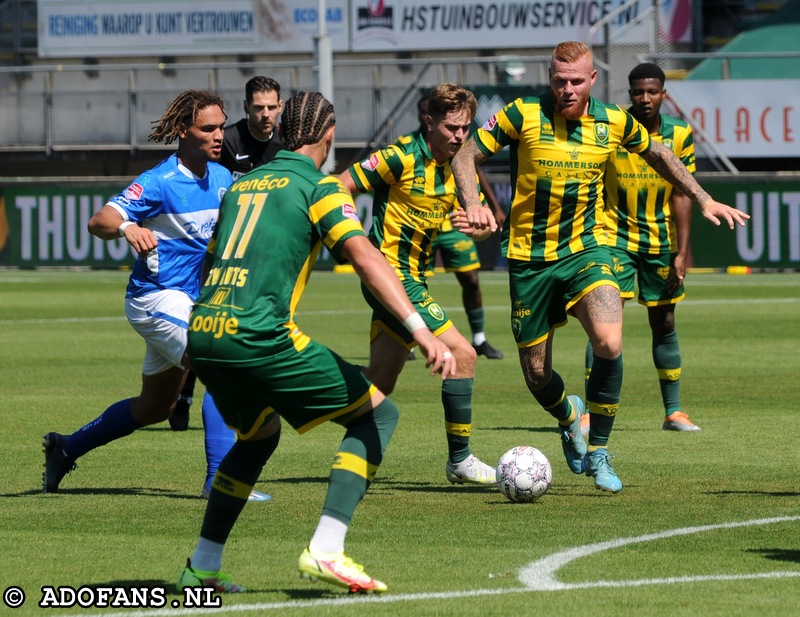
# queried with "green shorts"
point(652, 273)
point(305, 387)
point(434, 315)
point(458, 251)
point(542, 294)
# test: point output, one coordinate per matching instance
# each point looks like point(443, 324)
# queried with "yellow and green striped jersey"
point(404, 140)
point(557, 169)
point(638, 200)
point(413, 195)
point(274, 221)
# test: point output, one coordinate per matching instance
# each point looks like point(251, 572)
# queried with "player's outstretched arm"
point(376, 273)
point(669, 167)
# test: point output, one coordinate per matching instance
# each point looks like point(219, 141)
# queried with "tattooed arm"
point(669, 167)
point(476, 220)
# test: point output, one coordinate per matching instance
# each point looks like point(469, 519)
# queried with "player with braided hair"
point(259, 366)
point(167, 215)
point(306, 120)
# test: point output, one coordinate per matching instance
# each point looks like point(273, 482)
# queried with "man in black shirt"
point(253, 140)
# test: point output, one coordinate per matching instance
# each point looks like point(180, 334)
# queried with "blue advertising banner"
point(185, 27)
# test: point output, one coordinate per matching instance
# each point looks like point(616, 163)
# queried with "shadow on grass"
point(318, 593)
point(171, 589)
point(778, 554)
point(164, 427)
point(384, 485)
point(543, 429)
point(757, 493)
point(530, 429)
point(137, 491)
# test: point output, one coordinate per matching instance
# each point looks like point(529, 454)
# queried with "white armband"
point(414, 322)
point(123, 227)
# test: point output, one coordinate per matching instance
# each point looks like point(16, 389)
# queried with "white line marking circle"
point(540, 575)
point(536, 576)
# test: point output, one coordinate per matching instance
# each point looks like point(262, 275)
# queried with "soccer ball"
point(524, 474)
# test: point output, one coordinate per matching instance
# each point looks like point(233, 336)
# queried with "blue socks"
point(114, 423)
point(219, 439)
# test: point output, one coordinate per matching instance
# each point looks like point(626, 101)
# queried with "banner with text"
point(45, 226)
point(185, 27)
point(407, 25)
point(771, 238)
point(745, 117)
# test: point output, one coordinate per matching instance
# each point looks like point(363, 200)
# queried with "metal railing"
point(725, 58)
point(710, 148)
point(111, 106)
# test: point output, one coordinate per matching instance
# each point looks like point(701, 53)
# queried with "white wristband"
point(123, 227)
point(414, 322)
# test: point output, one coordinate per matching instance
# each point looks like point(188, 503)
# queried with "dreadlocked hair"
point(306, 116)
point(182, 112)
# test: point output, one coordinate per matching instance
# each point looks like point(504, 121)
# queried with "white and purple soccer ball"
point(524, 474)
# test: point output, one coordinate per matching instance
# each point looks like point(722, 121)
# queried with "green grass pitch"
point(708, 523)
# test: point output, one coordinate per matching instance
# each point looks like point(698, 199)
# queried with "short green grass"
point(130, 514)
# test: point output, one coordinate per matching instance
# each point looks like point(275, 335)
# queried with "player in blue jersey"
point(249, 143)
point(167, 215)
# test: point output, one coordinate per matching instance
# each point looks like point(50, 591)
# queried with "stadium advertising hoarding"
point(771, 238)
point(45, 226)
point(744, 117)
point(201, 27)
point(69, 29)
point(408, 25)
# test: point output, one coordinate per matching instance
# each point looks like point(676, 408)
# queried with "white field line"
point(489, 279)
point(729, 303)
point(538, 576)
